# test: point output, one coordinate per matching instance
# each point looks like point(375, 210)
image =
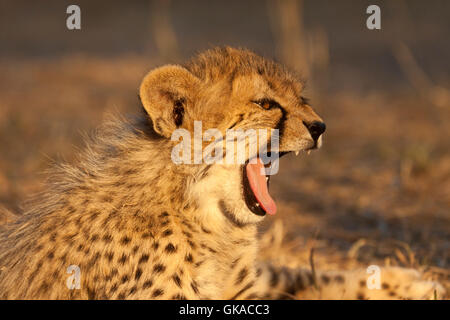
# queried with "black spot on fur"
point(94, 214)
point(188, 225)
point(109, 255)
point(107, 238)
point(191, 244)
point(339, 279)
point(170, 248)
point(177, 280)
point(69, 238)
point(164, 223)
point(146, 235)
point(133, 289)
point(158, 268)
point(91, 293)
point(205, 230)
point(113, 273)
point(199, 263)
point(179, 296)
point(125, 240)
point(274, 277)
point(125, 278)
point(123, 259)
point(241, 276)
point(189, 258)
point(235, 262)
point(63, 257)
point(187, 234)
point(360, 296)
point(50, 255)
point(204, 246)
point(258, 272)
point(93, 260)
point(211, 250)
point(44, 287)
point(194, 287)
point(130, 171)
point(163, 215)
point(260, 71)
point(138, 274)
point(143, 259)
point(147, 284)
point(113, 288)
point(157, 293)
point(325, 279)
point(53, 237)
point(155, 245)
point(167, 233)
point(385, 286)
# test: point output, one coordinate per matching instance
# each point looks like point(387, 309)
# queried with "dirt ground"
point(378, 192)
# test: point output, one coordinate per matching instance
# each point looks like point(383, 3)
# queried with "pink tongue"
point(258, 184)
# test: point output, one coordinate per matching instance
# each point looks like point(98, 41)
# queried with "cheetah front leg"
point(395, 283)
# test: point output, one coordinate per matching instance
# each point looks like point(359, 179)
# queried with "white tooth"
point(297, 152)
point(257, 204)
point(267, 178)
point(309, 151)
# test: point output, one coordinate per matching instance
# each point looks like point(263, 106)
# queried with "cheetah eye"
point(266, 104)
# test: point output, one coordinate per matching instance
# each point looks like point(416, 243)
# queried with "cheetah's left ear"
point(164, 93)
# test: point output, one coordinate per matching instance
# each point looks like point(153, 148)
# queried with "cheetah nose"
point(315, 128)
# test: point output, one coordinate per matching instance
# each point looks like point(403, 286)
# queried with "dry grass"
point(377, 193)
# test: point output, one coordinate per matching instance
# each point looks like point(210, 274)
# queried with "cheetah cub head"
point(230, 89)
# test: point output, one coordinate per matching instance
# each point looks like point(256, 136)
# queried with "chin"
point(224, 192)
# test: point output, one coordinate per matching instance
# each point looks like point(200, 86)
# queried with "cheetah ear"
point(164, 93)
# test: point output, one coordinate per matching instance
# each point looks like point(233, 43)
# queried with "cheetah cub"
point(136, 225)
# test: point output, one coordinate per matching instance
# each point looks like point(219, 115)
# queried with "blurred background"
point(378, 192)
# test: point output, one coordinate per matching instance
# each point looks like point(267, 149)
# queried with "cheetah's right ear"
point(164, 93)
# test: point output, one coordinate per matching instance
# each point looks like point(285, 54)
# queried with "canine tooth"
point(297, 152)
point(309, 151)
point(257, 204)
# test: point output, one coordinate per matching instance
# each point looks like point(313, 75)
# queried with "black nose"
point(316, 128)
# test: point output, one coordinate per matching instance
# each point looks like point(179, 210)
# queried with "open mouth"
point(256, 187)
